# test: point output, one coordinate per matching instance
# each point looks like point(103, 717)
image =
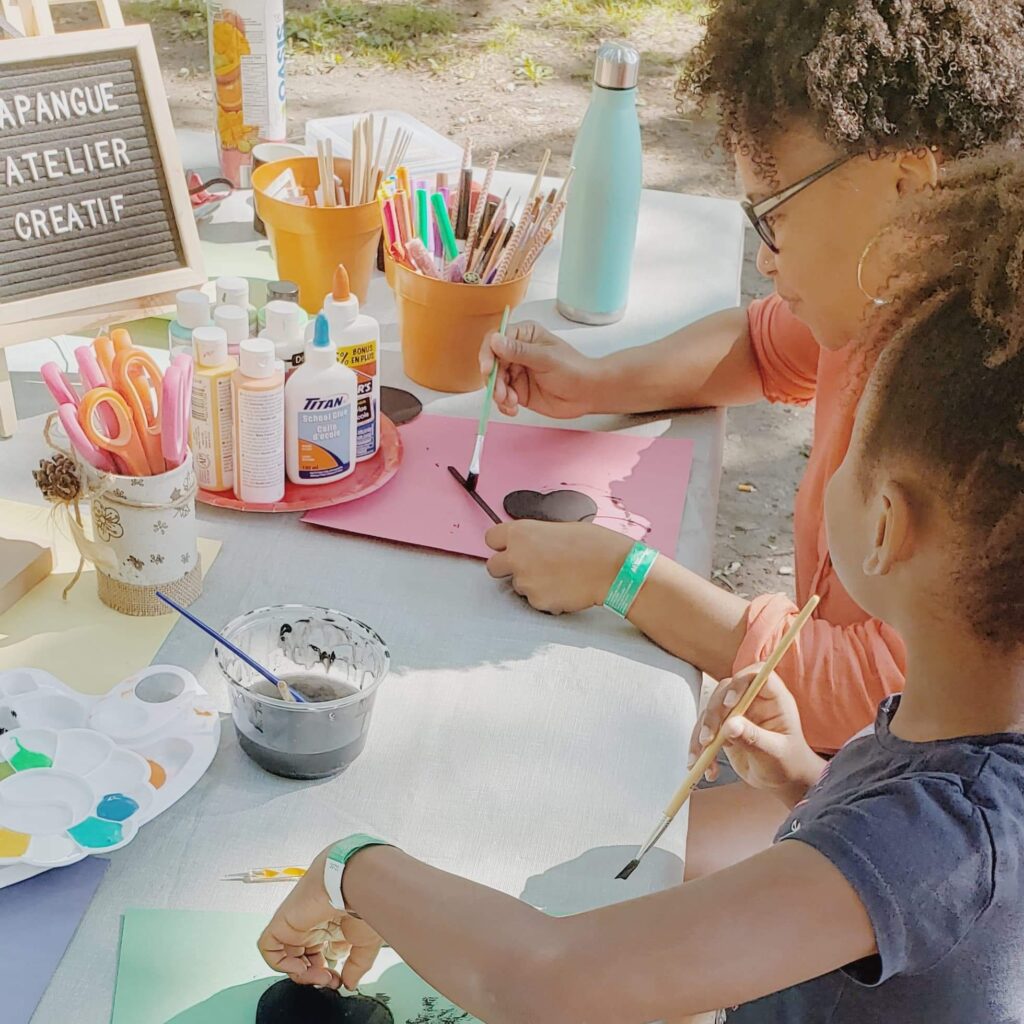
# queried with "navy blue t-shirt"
point(931, 837)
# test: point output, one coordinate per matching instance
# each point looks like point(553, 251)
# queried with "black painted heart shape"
point(288, 1003)
point(553, 507)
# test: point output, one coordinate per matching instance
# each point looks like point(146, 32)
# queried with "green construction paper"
point(202, 967)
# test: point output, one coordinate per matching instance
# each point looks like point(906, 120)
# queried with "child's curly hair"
point(948, 388)
point(866, 74)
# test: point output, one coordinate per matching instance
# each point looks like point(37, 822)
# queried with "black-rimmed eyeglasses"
point(759, 212)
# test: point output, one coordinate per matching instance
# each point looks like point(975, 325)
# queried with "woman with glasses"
point(833, 112)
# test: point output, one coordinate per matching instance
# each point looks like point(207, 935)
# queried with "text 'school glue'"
point(286, 329)
point(320, 414)
point(193, 310)
point(357, 339)
point(212, 418)
point(257, 388)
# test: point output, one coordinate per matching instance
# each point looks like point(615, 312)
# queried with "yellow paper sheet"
point(81, 641)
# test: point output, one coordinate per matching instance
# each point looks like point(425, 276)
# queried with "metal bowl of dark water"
point(334, 662)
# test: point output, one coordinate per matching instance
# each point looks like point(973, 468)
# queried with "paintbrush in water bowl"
point(287, 693)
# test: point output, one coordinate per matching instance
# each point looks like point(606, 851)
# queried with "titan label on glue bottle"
point(257, 388)
point(357, 338)
point(320, 414)
point(212, 418)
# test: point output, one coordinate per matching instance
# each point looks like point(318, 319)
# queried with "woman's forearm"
point(706, 363)
point(691, 617)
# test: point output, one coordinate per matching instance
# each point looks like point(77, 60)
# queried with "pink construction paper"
point(638, 483)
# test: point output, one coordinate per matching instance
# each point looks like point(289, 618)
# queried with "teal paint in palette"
point(116, 807)
point(97, 834)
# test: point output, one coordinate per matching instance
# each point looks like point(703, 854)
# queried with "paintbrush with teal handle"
point(485, 415)
point(287, 693)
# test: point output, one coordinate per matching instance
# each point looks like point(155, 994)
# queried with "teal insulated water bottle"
point(604, 197)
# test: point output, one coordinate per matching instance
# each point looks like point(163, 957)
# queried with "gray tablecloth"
point(529, 752)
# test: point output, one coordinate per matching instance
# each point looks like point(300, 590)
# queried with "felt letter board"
point(93, 204)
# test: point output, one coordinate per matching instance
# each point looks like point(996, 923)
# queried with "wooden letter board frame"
point(129, 298)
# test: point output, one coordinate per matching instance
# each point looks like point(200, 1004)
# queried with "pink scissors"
point(124, 441)
point(140, 382)
point(58, 385)
point(96, 458)
point(175, 410)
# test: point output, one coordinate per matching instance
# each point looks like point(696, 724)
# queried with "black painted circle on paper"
point(399, 406)
point(553, 507)
point(288, 1003)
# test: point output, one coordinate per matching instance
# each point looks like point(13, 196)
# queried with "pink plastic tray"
point(368, 477)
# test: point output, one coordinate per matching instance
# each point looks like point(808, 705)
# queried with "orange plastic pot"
point(308, 242)
point(442, 325)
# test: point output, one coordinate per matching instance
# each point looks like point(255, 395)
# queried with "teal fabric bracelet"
point(632, 576)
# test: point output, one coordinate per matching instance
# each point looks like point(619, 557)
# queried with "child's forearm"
point(638, 961)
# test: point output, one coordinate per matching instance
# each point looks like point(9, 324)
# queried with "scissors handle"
point(59, 386)
point(175, 411)
point(96, 458)
point(124, 442)
point(140, 381)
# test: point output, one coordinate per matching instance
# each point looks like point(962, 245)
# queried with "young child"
point(895, 889)
point(834, 112)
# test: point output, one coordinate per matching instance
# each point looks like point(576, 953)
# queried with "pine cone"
point(58, 479)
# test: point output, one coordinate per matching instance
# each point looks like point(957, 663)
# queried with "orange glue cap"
point(340, 288)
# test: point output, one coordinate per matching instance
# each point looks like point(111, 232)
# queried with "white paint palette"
point(82, 774)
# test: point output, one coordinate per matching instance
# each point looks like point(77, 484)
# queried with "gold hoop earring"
point(873, 299)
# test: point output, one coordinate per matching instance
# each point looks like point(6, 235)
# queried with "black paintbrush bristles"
point(464, 484)
point(628, 869)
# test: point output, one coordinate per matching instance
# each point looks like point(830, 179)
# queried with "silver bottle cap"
point(617, 66)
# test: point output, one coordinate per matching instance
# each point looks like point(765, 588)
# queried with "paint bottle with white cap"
point(192, 311)
point(286, 329)
point(234, 322)
point(234, 291)
point(257, 388)
point(212, 419)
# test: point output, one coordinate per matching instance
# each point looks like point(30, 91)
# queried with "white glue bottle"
point(257, 388)
point(320, 415)
point(357, 339)
point(212, 418)
point(286, 329)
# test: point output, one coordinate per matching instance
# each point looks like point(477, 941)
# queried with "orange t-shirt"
point(844, 662)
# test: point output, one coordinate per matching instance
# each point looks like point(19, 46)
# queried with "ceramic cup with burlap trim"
point(143, 538)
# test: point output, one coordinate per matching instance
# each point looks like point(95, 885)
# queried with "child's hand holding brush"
point(765, 746)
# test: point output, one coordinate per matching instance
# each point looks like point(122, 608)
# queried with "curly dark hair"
point(867, 74)
point(947, 391)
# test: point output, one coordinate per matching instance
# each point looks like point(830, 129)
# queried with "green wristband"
point(632, 576)
point(337, 857)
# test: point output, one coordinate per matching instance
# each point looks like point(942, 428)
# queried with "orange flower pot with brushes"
point(310, 241)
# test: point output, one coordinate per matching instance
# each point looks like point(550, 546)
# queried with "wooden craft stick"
point(535, 188)
point(481, 203)
point(511, 249)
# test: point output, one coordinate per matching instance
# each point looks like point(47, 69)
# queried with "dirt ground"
point(517, 74)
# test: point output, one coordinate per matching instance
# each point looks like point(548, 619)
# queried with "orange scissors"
point(101, 406)
point(140, 382)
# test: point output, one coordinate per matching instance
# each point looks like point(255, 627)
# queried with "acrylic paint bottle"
point(286, 329)
point(357, 338)
point(234, 322)
point(281, 291)
point(212, 418)
point(234, 291)
point(193, 310)
point(319, 414)
point(604, 198)
point(257, 389)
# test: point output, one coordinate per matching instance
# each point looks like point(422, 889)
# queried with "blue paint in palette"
point(95, 834)
point(116, 807)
